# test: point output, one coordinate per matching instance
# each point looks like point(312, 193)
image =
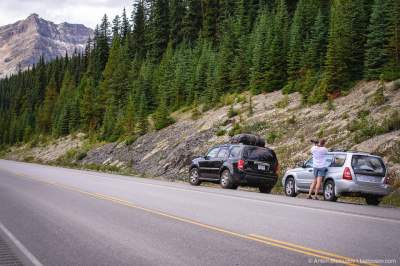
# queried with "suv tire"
point(290, 187)
point(226, 179)
point(194, 177)
point(373, 200)
point(329, 191)
point(265, 188)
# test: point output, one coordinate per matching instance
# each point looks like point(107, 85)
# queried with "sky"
point(87, 12)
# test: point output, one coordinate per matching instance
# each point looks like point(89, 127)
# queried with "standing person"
point(319, 154)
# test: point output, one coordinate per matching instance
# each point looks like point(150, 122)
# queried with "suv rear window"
point(258, 154)
point(368, 165)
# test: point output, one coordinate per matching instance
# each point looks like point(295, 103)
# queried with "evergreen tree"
point(138, 41)
point(192, 21)
point(46, 111)
point(376, 55)
point(177, 10)
point(276, 73)
point(159, 28)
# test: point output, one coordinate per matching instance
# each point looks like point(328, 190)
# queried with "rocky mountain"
point(24, 42)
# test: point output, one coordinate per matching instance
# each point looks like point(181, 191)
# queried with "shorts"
point(320, 171)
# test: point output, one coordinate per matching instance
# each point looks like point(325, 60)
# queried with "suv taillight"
point(347, 174)
point(386, 180)
point(240, 165)
point(276, 170)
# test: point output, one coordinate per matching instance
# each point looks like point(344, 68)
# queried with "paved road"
point(69, 217)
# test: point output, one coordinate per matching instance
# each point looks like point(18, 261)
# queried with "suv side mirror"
point(206, 157)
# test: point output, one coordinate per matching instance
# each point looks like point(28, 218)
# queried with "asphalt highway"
point(71, 217)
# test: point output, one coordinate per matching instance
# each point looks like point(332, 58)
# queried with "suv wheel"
point(373, 200)
point(265, 188)
point(226, 179)
point(194, 179)
point(290, 189)
point(329, 191)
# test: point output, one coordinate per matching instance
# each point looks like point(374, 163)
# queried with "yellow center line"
point(260, 239)
point(333, 255)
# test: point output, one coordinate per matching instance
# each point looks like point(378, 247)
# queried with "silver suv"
point(349, 174)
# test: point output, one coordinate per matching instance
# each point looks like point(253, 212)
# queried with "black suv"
point(236, 164)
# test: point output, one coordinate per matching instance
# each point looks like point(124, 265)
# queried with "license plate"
point(261, 167)
point(370, 179)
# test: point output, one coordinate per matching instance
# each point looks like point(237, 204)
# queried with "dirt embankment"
point(364, 119)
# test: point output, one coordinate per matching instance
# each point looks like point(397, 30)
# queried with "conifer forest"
point(172, 54)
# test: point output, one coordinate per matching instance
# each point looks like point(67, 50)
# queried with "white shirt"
point(319, 156)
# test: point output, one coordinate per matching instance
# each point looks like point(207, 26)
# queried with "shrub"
point(232, 112)
point(196, 113)
point(220, 132)
point(29, 159)
point(236, 129)
point(272, 136)
point(81, 155)
point(396, 84)
point(363, 113)
point(229, 99)
point(329, 105)
point(292, 120)
point(378, 98)
point(392, 122)
point(283, 103)
point(131, 139)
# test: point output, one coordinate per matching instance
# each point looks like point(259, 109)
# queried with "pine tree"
point(159, 28)
point(376, 55)
point(138, 41)
point(46, 111)
point(276, 73)
point(226, 57)
point(300, 33)
point(192, 21)
point(177, 10)
point(261, 39)
point(125, 27)
point(210, 20)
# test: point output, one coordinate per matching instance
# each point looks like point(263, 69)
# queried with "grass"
point(283, 103)
point(365, 127)
point(220, 132)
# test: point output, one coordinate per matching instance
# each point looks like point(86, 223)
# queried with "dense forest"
point(173, 54)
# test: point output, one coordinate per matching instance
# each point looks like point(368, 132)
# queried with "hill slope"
point(361, 120)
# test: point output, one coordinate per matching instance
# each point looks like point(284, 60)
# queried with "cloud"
point(87, 12)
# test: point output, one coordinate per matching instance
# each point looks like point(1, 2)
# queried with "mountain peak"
point(24, 42)
point(33, 15)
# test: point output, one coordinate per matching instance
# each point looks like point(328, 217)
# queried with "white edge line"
point(20, 246)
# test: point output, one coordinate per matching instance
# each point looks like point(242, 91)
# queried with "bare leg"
point(311, 187)
point(318, 186)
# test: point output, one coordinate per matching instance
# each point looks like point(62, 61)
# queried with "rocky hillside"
point(366, 119)
point(24, 42)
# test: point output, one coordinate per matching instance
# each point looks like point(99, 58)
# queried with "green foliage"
point(232, 112)
point(378, 98)
point(365, 127)
point(292, 120)
point(272, 136)
point(236, 129)
point(283, 103)
point(185, 54)
point(220, 132)
point(396, 84)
